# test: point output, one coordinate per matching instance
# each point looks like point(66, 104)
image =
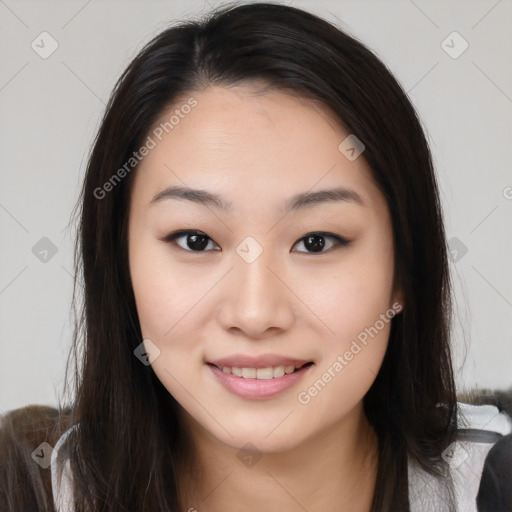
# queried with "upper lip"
point(263, 361)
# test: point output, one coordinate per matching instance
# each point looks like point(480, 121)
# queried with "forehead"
point(250, 145)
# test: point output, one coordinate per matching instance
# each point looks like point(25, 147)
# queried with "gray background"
point(50, 110)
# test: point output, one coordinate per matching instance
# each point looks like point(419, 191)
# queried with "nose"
point(256, 300)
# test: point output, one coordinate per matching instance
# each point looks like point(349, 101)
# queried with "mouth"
point(259, 381)
point(263, 373)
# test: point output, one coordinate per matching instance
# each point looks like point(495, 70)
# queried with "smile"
point(259, 383)
point(270, 372)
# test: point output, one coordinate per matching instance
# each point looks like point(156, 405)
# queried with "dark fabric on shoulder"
point(495, 491)
point(25, 486)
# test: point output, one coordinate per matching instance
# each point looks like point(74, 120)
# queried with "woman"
point(266, 295)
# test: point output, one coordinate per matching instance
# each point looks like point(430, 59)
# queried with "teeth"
point(249, 373)
point(265, 373)
point(268, 373)
point(278, 371)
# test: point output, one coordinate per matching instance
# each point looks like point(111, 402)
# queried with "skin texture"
point(257, 150)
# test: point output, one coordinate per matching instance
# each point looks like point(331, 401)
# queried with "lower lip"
point(257, 389)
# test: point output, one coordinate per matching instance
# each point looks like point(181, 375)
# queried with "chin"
point(261, 444)
point(264, 439)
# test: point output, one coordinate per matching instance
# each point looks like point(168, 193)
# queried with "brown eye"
point(192, 241)
point(316, 242)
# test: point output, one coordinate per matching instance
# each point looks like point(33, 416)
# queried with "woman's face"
point(266, 287)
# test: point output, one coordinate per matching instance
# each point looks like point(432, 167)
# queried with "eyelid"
point(339, 240)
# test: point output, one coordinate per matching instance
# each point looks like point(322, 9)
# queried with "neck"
point(333, 470)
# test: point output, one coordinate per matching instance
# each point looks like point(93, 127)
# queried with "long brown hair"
point(125, 454)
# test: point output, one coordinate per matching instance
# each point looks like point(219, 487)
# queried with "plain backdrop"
point(50, 110)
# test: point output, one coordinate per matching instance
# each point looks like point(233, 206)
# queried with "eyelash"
point(339, 241)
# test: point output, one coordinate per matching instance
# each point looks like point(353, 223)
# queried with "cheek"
point(360, 315)
point(168, 302)
point(352, 294)
point(153, 296)
point(165, 295)
point(355, 302)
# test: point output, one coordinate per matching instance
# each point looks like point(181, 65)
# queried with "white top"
point(466, 458)
point(427, 493)
point(61, 484)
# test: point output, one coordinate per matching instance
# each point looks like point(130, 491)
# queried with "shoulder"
point(495, 491)
point(480, 428)
point(27, 435)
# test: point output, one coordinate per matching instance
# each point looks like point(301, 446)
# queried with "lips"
point(259, 381)
point(266, 367)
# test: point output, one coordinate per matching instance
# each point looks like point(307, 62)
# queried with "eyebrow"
point(297, 202)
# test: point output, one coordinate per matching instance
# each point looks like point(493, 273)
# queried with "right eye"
point(193, 241)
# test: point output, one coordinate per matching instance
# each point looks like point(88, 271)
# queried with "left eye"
point(316, 241)
point(197, 241)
